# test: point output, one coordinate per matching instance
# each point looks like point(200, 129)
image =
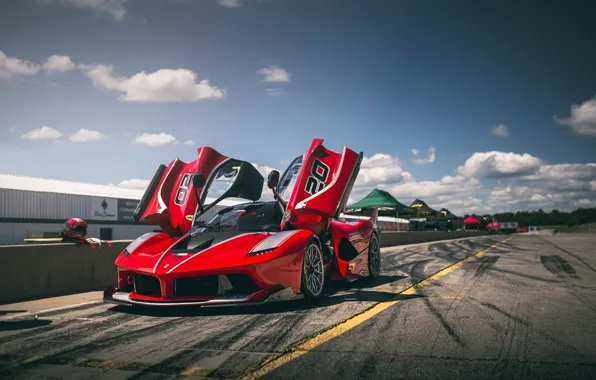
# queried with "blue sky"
point(382, 77)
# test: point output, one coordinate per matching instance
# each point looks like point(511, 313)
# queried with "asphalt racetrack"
point(517, 307)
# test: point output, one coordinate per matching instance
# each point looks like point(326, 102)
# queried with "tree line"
point(542, 218)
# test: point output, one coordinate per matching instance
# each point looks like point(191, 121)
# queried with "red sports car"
point(252, 252)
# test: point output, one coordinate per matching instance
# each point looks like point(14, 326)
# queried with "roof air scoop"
point(193, 244)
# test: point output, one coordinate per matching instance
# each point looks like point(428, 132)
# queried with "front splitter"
point(123, 298)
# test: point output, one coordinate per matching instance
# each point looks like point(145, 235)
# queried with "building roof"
point(46, 185)
point(379, 198)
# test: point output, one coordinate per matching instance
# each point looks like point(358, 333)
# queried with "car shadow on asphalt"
point(23, 324)
point(5, 312)
point(337, 293)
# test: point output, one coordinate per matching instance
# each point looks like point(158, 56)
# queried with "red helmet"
point(75, 229)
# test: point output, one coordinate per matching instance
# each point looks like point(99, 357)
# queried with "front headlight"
point(262, 252)
point(138, 241)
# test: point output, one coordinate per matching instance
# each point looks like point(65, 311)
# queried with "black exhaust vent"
point(347, 251)
point(147, 286)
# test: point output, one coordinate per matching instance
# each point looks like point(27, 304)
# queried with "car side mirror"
point(198, 180)
point(273, 179)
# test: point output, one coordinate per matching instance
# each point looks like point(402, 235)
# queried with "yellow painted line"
point(308, 344)
point(32, 359)
point(196, 371)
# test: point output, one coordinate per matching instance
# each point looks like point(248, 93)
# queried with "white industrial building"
point(38, 207)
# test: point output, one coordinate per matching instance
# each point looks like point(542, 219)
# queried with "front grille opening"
point(242, 284)
point(128, 288)
point(201, 286)
point(147, 286)
point(211, 286)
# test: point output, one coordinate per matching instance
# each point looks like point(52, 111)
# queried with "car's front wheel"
point(313, 276)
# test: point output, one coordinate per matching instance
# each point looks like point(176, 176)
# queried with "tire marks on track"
point(588, 266)
point(54, 327)
point(58, 348)
point(229, 347)
point(558, 266)
point(486, 263)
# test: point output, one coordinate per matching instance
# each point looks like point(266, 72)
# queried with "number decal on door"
point(318, 176)
point(182, 192)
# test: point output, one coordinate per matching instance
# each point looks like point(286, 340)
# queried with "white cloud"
point(384, 172)
point(230, 3)
point(499, 164)
point(447, 189)
point(275, 91)
point(562, 186)
point(284, 162)
point(86, 135)
point(11, 67)
point(43, 133)
point(115, 8)
point(461, 206)
point(165, 85)
point(274, 74)
point(135, 183)
point(59, 63)
point(500, 130)
point(379, 169)
point(154, 139)
point(559, 172)
point(189, 142)
point(428, 160)
point(414, 151)
point(583, 118)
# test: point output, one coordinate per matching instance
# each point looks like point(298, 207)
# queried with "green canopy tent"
point(382, 200)
point(446, 213)
point(422, 208)
point(387, 206)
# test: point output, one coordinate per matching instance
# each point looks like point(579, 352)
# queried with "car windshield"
point(265, 216)
point(288, 180)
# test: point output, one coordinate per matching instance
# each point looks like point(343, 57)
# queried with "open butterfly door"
point(170, 199)
point(322, 186)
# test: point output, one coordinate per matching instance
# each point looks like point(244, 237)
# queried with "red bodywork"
point(235, 266)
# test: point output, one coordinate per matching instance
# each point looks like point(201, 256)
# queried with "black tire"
point(313, 273)
point(374, 257)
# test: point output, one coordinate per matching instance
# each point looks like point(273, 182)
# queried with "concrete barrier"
point(391, 238)
point(43, 270)
point(590, 227)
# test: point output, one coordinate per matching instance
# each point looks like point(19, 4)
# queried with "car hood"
point(161, 254)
